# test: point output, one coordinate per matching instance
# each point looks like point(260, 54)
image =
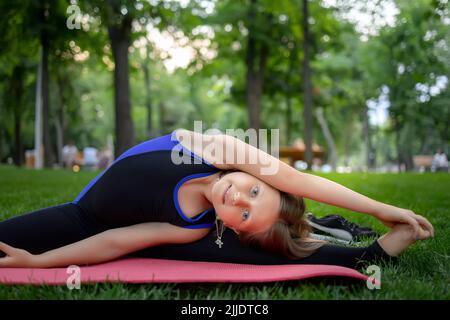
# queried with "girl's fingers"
point(424, 234)
point(428, 228)
point(415, 225)
point(5, 262)
point(6, 248)
point(389, 224)
point(426, 224)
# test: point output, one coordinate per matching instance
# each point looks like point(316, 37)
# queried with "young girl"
point(170, 192)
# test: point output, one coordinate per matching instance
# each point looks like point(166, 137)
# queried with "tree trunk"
point(328, 137)
point(259, 84)
point(288, 90)
point(45, 43)
point(255, 69)
point(16, 91)
point(162, 118)
point(408, 158)
point(307, 89)
point(288, 118)
point(18, 146)
point(148, 99)
point(59, 141)
point(348, 132)
point(404, 146)
point(119, 35)
point(425, 147)
point(397, 142)
point(61, 120)
point(38, 143)
point(367, 139)
point(251, 86)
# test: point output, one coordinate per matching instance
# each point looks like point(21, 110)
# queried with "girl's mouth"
point(225, 194)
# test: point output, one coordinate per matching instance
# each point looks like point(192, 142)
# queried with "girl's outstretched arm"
point(104, 246)
point(284, 177)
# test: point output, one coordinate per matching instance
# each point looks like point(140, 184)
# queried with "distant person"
point(105, 158)
point(90, 158)
point(70, 152)
point(439, 162)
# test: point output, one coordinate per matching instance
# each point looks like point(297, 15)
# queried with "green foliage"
point(406, 56)
point(347, 71)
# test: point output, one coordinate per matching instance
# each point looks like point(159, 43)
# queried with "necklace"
point(219, 235)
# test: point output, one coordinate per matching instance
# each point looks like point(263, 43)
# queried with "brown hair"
point(289, 234)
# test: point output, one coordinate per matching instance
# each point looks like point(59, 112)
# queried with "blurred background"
point(352, 85)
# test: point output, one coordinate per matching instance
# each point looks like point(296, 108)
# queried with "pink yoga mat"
point(143, 270)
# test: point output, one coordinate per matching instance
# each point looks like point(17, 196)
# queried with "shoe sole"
point(327, 238)
point(338, 233)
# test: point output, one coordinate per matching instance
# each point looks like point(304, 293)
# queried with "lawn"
point(423, 271)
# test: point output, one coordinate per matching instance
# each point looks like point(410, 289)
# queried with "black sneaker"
point(340, 228)
point(336, 216)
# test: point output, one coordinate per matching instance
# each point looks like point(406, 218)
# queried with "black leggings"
point(60, 225)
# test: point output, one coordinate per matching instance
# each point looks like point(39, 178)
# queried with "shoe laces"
point(352, 226)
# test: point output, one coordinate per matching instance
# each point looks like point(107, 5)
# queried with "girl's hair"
point(289, 234)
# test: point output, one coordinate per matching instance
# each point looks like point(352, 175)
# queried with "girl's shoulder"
point(203, 145)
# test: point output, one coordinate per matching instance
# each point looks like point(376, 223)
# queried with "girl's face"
point(245, 203)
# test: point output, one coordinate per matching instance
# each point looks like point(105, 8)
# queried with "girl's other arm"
point(101, 247)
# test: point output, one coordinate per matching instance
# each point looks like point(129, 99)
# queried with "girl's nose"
point(239, 200)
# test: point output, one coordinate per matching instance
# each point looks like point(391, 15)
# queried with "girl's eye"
point(254, 191)
point(245, 214)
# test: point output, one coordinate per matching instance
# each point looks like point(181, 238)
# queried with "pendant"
point(219, 243)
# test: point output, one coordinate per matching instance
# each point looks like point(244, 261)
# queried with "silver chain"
point(219, 235)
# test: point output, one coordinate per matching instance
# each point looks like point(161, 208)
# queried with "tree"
point(249, 25)
point(119, 30)
point(16, 61)
point(307, 87)
point(408, 65)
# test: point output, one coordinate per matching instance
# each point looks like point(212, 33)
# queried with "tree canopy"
point(132, 70)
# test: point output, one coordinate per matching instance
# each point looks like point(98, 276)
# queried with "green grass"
point(423, 271)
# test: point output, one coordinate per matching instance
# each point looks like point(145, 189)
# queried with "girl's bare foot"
point(400, 237)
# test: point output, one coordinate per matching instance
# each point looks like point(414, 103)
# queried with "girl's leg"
point(234, 252)
point(47, 228)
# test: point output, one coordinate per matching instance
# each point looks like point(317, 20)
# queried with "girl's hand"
point(391, 216)
point(16, 258)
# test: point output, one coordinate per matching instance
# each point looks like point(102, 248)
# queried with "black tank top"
point(142, 186)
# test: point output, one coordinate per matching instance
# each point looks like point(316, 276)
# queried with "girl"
point(168, 193)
